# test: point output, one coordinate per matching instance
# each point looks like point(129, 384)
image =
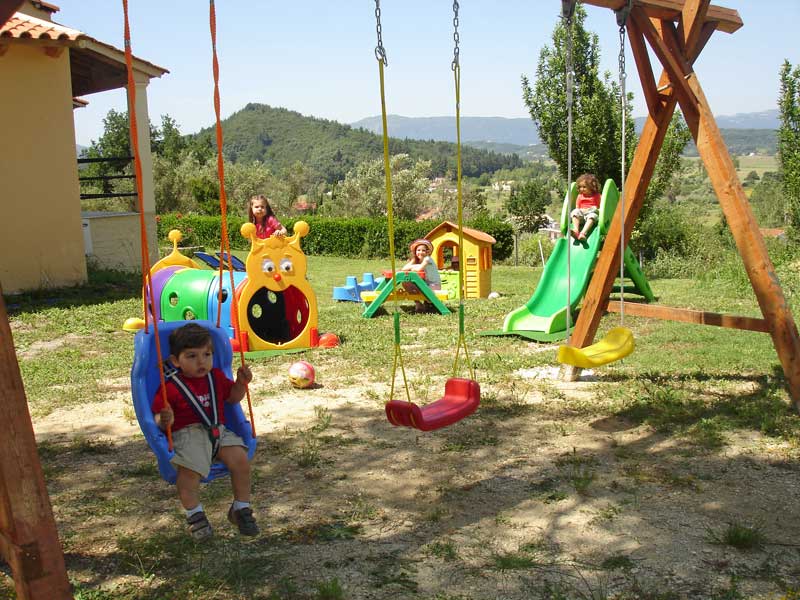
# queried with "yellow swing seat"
point(617, 344)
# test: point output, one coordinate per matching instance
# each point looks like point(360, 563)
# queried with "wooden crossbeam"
point(724, 19)
point(686, 315)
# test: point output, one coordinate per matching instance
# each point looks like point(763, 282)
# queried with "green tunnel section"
point(185, 295)
point(544, 316)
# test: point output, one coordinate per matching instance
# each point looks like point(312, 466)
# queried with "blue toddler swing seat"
point(146, 379)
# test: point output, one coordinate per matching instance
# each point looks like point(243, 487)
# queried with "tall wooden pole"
point(28, 536)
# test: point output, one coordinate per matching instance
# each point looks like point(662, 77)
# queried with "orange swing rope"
point(225, 245)
point(137, 166)
point(224, 242)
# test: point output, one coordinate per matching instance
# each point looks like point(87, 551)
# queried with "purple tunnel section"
point(158, 280)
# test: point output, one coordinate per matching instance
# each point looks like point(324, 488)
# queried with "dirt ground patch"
point(540, 494)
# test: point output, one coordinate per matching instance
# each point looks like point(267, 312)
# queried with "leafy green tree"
point(527, 205)
point(651, 232)
point(363, 191)
point(596, 111)
point(473, 201)
point(668, 166)
point(298, 178)
point(168, 141)
point(789, 144)
point(751, 179)
point(767, 202)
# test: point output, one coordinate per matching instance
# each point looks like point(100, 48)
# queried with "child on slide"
point(587, 206)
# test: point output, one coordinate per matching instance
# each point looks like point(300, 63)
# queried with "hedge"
point(350, 238)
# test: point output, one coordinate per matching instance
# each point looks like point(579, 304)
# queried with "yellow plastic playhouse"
point(477, 259)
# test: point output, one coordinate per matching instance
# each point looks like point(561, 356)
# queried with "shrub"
point(666, 228)
point(352, 238)
point(529, 254)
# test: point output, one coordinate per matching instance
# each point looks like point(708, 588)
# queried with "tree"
point(113, 144)
point(789, 144)
point(767, 202)
point(298, 178)
point(596, 146)
point(668, 166)
point(363, 191)
point(527, 205)
point(168, 141)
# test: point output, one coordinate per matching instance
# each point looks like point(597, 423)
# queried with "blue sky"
point(316, 57)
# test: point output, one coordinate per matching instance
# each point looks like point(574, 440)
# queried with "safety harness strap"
point(211, 424)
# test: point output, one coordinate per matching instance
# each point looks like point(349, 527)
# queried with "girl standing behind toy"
point(422, 263)
point(587, 206)
point(261, 215)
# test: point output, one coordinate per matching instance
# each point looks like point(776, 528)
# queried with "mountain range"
point(282, 138)
point(520, 131)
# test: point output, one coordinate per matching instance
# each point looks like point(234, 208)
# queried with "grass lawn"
point(671, 474)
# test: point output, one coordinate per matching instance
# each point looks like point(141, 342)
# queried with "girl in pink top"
point(586, 213)
point(261, 215)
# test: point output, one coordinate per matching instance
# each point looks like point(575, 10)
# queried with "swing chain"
point(570, 78)
point(622, 17)
point(456, 39)
point(380, 52)
point(567, 9)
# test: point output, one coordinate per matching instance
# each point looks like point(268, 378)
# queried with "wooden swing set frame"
point(677, 31)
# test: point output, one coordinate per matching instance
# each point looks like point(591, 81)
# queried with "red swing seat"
point(461, 398)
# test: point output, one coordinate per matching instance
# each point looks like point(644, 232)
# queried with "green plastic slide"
point(544, 316)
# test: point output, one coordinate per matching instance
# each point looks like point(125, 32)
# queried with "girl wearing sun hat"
point(422, 263)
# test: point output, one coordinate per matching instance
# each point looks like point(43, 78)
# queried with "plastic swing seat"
point(146, 379)
point(461, 398)
point(617, 344)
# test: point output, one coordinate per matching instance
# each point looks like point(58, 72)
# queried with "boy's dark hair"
point(190, 335)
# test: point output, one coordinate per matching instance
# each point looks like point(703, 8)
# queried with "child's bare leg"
point(188, 484)
point(235, 458)
point(576, 223)
point(240, 513)
point(588, 226)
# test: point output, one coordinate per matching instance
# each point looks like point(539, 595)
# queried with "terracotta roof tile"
point(22, 26)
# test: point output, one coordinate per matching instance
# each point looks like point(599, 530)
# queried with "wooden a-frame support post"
point(677, 48)
point(28, 536)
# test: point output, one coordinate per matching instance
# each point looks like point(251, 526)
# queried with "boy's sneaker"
point(244, 520)
point(199, 527)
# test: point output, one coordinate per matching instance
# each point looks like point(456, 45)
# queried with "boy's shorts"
point(193, 447)
point(585, 214)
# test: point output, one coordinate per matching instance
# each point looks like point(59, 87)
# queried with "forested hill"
point(279, 138)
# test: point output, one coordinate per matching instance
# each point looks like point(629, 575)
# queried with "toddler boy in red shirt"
point(196, 394)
